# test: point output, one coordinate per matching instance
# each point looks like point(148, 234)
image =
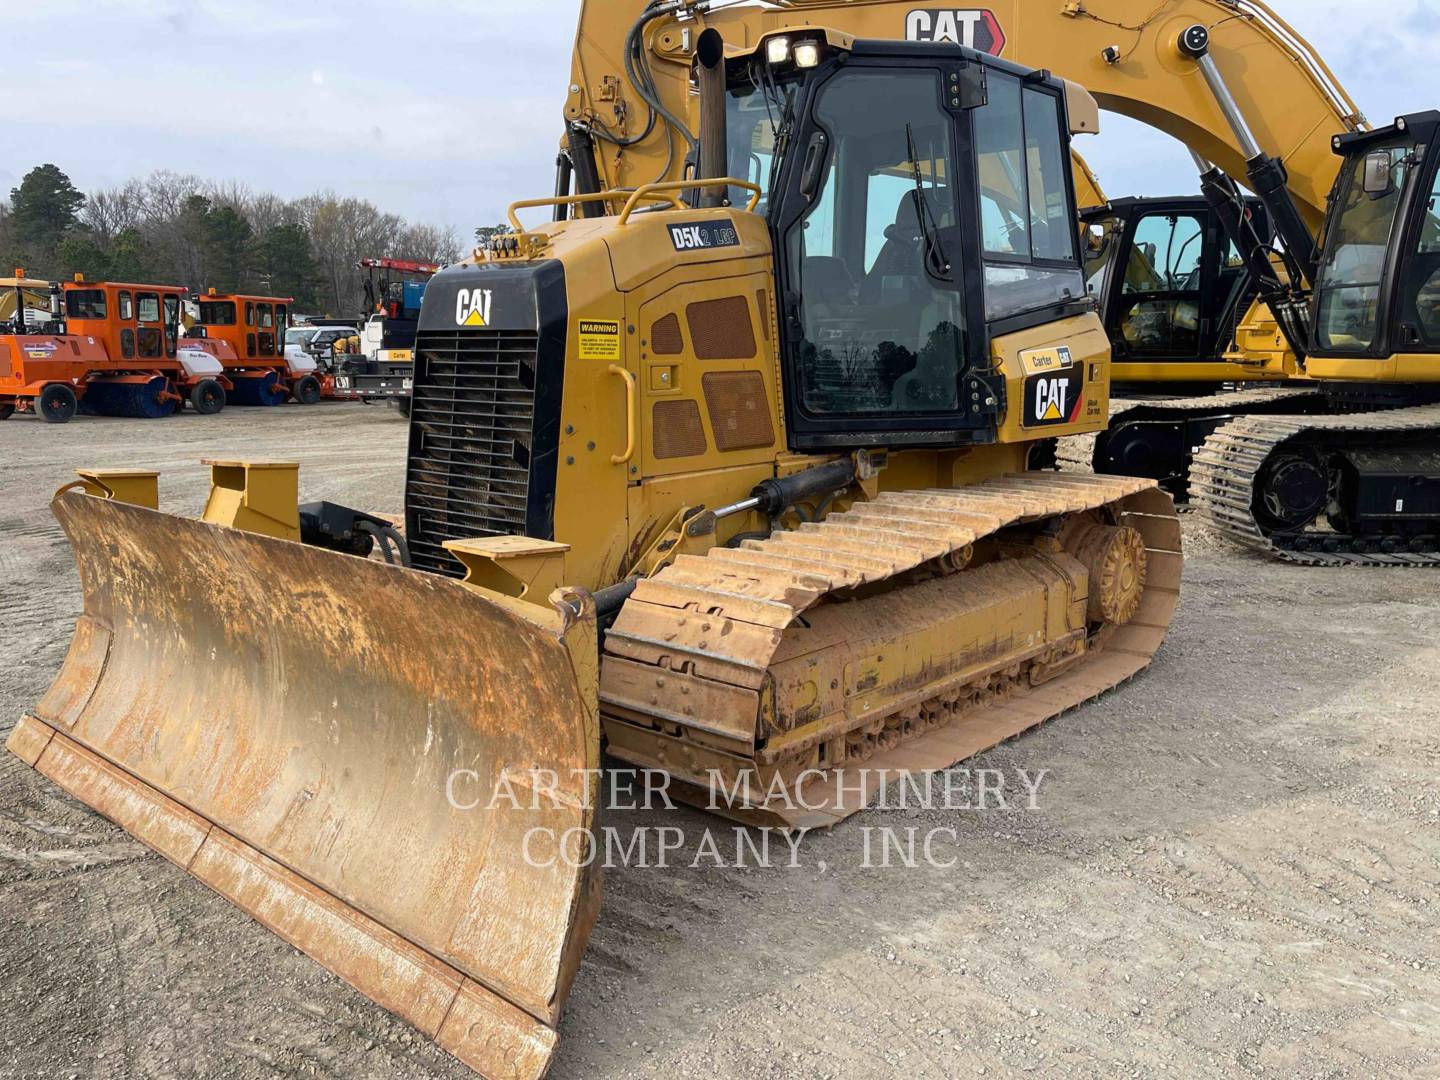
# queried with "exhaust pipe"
point(714, 160)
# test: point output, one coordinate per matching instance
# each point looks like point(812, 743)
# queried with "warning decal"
point(599, 339)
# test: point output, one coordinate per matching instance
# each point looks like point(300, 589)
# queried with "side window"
point(249, 314)
point(126, 303)
point(265, 314)
point(1026, 222)
point(999, 142)
point(282, 315)
point(148, 307)
point(1051, 223)
point(1166, 255)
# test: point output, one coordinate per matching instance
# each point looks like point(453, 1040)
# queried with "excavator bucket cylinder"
point(384, 767)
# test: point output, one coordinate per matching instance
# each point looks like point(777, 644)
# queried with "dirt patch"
point(1233, 867)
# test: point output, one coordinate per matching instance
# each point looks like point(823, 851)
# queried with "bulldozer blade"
point(375, 763)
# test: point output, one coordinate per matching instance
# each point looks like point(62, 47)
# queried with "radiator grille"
point(471, 435)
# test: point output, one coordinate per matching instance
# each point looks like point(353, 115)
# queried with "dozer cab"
point(728, 478)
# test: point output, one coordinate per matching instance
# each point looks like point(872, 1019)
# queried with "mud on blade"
point(283, 723)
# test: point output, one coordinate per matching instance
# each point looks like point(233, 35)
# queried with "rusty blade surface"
point(299, 729)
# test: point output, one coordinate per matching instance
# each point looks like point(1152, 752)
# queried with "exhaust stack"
point(714, 159)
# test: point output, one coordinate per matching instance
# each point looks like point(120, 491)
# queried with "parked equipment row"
point(119, 349)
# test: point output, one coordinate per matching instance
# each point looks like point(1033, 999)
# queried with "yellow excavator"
point(724, 470)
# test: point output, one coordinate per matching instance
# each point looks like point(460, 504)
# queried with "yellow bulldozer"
point(723, 471)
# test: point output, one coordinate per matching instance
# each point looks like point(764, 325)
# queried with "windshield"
point(1357, 239)
point(299, 335)
point(217, 312)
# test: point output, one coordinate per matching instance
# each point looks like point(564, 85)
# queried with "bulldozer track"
point(698, 642)
point(1227, 470)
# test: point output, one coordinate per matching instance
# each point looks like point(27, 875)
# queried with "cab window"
point(249, 314)
point(880, 306)
point(126, 304)
point(85, 304)
point(217, 312)
point(147, 307)
point(265, 316)
point(1026, 230)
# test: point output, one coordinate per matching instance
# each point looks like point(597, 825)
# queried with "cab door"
point(1419, 322)
point(1161, 293)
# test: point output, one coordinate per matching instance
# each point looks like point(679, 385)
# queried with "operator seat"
point(899, 271)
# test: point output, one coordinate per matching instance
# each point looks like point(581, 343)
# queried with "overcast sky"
point(447, 110)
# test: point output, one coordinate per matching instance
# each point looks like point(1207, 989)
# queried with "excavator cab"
point(1377, 298)
point(1170, 284)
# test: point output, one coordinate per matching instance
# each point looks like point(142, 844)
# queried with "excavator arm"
point(630, 76)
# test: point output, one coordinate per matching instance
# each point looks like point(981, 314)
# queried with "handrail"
point(572, 200)
point(646, 191)
point(630, 395)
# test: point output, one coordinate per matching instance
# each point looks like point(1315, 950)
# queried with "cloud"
point(456, 112)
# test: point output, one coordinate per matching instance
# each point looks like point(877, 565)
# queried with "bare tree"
point(108, 213)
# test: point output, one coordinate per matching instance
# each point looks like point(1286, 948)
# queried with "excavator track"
point(902, 635)
point(1230, 468)
point(1095, 453)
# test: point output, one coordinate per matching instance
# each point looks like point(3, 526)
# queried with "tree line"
point(174, 229)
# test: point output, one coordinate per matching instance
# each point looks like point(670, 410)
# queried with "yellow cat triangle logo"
point(1053, 413)
point(474, 319)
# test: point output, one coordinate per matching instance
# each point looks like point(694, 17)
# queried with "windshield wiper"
point(935, 259)
point(782, 135)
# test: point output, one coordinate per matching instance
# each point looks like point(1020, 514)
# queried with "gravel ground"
point(1233, 867)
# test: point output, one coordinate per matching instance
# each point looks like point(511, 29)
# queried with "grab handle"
point(631, 385)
